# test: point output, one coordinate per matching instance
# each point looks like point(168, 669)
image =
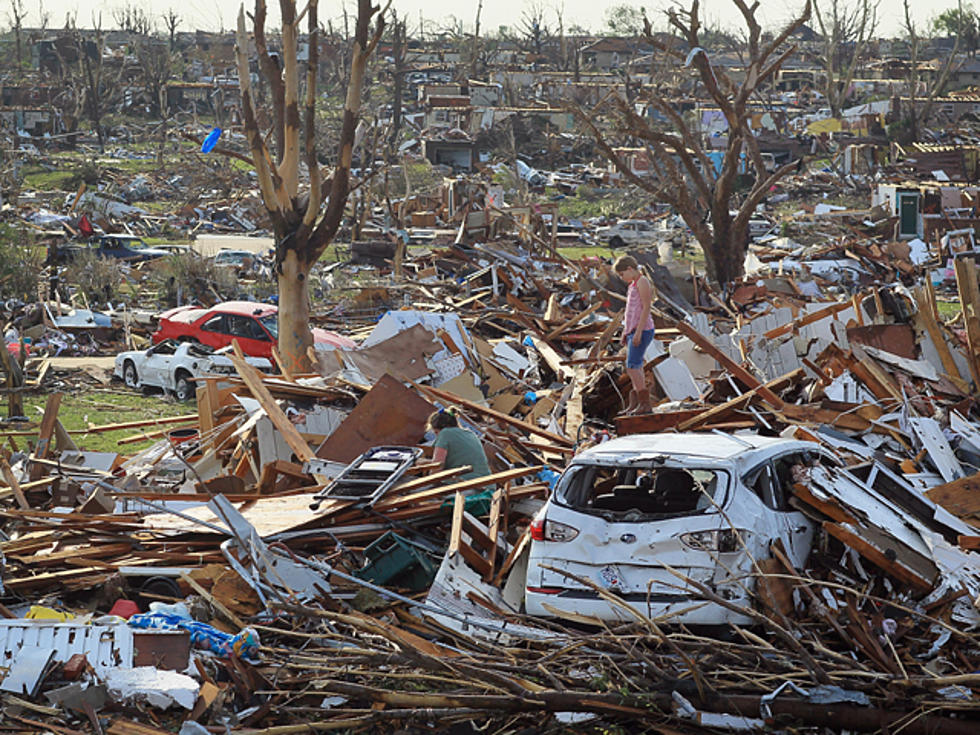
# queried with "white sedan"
point(172, 366)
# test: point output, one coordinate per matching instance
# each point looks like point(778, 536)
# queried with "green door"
point(908, 212)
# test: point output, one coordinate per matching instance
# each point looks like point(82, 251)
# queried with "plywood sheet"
point(389, 414)
point(404, 355)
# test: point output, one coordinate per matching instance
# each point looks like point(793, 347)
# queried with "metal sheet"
point(26, 669)
point(105, 646)
point(930, 433)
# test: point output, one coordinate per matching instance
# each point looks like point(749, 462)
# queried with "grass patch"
point(101, 407)
point(948, 309)
point(577, 252)
point(40, 178)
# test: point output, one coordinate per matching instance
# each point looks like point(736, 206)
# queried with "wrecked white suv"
point(627, 512)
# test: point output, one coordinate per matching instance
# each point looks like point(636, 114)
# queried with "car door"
point(156, 366)
point(250, 335)
point(771, 482)
point(108, 248)
point(213, 331)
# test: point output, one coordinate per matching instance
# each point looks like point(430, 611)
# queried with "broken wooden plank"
point(497, 415)
point(45, 433)
point(288, 431)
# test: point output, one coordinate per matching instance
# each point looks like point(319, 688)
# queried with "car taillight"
point(722, 542)
point(537, 529)
point(546, 590)
point(544, 530)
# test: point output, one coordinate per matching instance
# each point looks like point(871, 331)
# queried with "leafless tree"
point(171, 19)
point(918, 112)
point(156, 69)
point(304, 218)
point(399, 53)
point(562, 45)
point(133, 18)
point(475, 46)
point(43, 16)
point(846, 27)
point(682, 173)
point(533, 27)
point(16, 17)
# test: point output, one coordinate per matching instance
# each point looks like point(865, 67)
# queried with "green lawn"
point(948, 309)
point(108, 406)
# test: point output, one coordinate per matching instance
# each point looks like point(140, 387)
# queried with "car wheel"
point(183, 387)
point(129, 375)
point(616, 242)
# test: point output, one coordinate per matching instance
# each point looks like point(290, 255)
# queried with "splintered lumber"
point(876, 379)
point(45, 433)
point(607, 335)
point(218, 605)
point(496, 415)
point(565, 326)
point(552, 359)
point(925, 300)
point(966, 284)
point(93, 429)
point(155, 434)
point(710, 414)
point(33, 485)
point(739, 372)
point(829, 507)
point(897, 563)
point(810, 318)
point(253, 379)
point(960, 497)
point(471, 484)
point(11, 480)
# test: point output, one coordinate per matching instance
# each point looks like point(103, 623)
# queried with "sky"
point(221, 14)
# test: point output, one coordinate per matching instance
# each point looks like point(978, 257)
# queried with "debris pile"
point(289, 553)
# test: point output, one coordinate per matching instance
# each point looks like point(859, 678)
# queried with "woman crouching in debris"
point(637, 330)
point(455, 446)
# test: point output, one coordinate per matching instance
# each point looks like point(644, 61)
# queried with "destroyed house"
point(35, 121)
point(952, 162)
point(928, 210)
point(448, 112)
point(457, 151)
point(793, 80)
point(612, 53)
point(204, 97)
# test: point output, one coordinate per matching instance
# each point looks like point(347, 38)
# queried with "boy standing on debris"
point(455, 446)
point(638, 330)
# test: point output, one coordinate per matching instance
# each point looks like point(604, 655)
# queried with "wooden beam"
point(253, 379)
point(11, 480)
point(186, 418)
point(471, 484)
point(573, 321)
point(497, 415)
point(899, 571)
point(813, 316)
point(45, 433)
point(928, 320)
point(966, 284)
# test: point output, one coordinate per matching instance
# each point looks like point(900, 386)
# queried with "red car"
point(253, 324)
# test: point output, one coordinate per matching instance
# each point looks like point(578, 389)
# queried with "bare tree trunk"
point(295, 337)
point(398, 53)
point(305, 218)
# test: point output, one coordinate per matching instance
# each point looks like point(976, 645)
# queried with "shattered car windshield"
point(634, 492)
point(271, 323)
